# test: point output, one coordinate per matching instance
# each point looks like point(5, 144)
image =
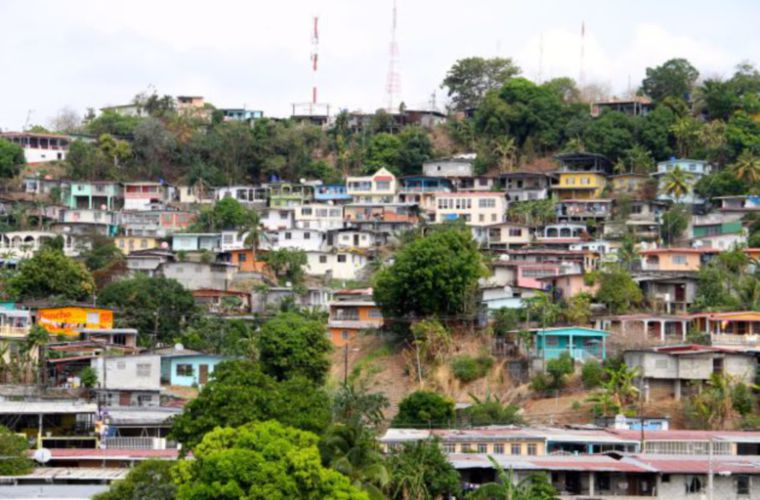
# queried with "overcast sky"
point(80, 53)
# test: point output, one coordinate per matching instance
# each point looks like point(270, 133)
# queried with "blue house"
point(331, 192)
point(184, 367)
point(582, 343)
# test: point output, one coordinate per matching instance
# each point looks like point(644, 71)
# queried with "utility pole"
point(345, 364)
point(710, 469)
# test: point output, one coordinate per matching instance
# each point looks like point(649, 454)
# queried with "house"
point(583, 344)
point(45, 421)
point(132, 109)
point(474, 208)
point(629, 183)
point(644, 329)
point(143, 195)
point(354, 214)
point(192, 195)
point(420, 190)
point(17, 245)
point(199, 275)
point(128, 244)
point(274, 219)
point(68, 319)
point(186, 368)
point(93, 195)
point(643, 221)
point(157, 223)
point(668, 292)
point(223, 301)
point(581, 176)
point(39, 147)
point(341, 265)
point(495, 296)
point(561, 234)
point(722, 233)
point(248, 195)
point(86, 221)
point(736, 328)
point(452, 168)
point(352, 313)
point(196, 242)
point(596, 210)
point(669, 371)
point(741, 203)
point(565, 286)
point(321, 216)
point(506, 235)
point(287, 194)
point(148, 262)
point(245, 261)
point(379, 187)
point(14, 322)
point(335, 193)
point(232, 240)
point(425, 118)
point(674, 259)
point(309, 240)
point(128, 380)
point(529, 274)
point(634, 106)
point(247, 116)
point(354, 239)
point(693, 169)
point(525, 186)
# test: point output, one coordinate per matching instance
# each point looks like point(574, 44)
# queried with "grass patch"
point(468, 369)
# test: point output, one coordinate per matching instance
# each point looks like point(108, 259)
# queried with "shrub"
point(424, 408)
point(540, 383)
point(591, 374)
point(559, 368)
point(466, 368)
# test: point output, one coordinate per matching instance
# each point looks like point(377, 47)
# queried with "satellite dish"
point(179, 347)
point(42, 455)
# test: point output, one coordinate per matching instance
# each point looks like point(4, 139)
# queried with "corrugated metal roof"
point(53, 474)
point(112, 454)
point(46, 407)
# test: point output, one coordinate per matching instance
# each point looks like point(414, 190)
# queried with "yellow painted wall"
point(575, 185)
point(129, 244)
point(65, 320)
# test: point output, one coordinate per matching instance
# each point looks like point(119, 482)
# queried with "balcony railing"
point(732, 339)
point(137, 443)
point(13, 331)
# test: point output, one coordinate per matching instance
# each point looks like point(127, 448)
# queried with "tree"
point(433, 275)
point(215, 335)
point(612, 134)
point(654, 132)
point(541, 307)
point(153, 305)
point(111, 122)
point(11, 159)
point(353, 405)
point(491, 411)
point(559, 368)
point(115, 150)
point(618, 392)
point(618, 291)
point(102, 252)
point(674, 222)
point(674, 78)
point(717, 98)
point(469, 79)
point(50, 274)
point(226, 213)
point(13, 449)
point(747, 168)
point(578, 309)
point(293, 346)
point(687, 132)
point(720, 183)
point(677, 183)
point(536, 486)
point(149, 480)
point(354, 452)
point(66, 121)
point(713, 407)
point(240, 393)
point(287, 264)
point(263, 460)
point(153, 147)
point(420, 471)
point(384, 151)
point(416, 148)
point(424, 409)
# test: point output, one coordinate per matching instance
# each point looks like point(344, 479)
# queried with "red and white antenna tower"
point(582, 73)
point(314, 59)
point(393, 79)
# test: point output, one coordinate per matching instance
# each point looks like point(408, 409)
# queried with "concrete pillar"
point(662, 330)
point(684, 329)
point(591, 483)
point(646, 329)
point(677, 389)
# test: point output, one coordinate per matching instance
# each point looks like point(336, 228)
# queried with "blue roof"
point(575, 331)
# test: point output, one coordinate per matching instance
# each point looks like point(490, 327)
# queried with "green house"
point(95, 195)
point(582, 343)
point(286, 194)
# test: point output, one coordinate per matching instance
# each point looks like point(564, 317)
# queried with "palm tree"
point(534, 487)
point(506, 150)
point(618, 392)
point(677, 183)
point(352, 451)
point(747, 167)
point(627, 253)
point(252, 231)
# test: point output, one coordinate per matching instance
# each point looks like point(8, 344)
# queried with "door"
point(203, 374)
point(356, 240)
point(124, 398)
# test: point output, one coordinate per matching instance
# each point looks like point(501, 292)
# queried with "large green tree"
point(13, 449)
point(149, 480)
point(227, 213)
point(617, 290)
point(240, 393)
point(265, 461)
point(469, 79)
point(421, 471)
point(49, 274)
point(153, 305)
point(291, 345)
point(434, 274)
point(424, 409)
point(11, 159)
point(674, 78)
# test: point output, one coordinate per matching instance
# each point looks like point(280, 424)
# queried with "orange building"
point(247, 262)
point(674, 259)
point(349, 318)
point(67, 320)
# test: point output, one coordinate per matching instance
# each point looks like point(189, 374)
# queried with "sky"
point(78, 54)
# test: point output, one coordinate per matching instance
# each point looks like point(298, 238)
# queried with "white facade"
point(191, 194)
point(340, 265)
point(143, 195)
point(275, 219)
point(243, 194)
point(318, 216)
point(23, 244)
point(232, 240)
point(142, 372)
point(40, 148)
point(449, 167)
point(508, 234)
point(476, 209)
point(309, 240)
point(354, 239)
point(380, 187)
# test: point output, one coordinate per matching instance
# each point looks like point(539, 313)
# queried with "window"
point(515, 232)
point(121, 365)
point(288, 236)
point(516, 449)
point(570, 181)
point(143, 243)
point(144, 400)
point(482, 448)
point(483, 181)
point(532, 449)
point(306, 211)
point(449, 448)
point(344, 335)
point(678, 259)
point(498, 449)
point(551, 341)
point(375, 313)
point(481, 217)
point(383, 185)
point(184, 370)
point(693, 484)
point(341, 258)
point(493, 217)
point(466, 448)
point(742, 485)
point(323, 259)
point(143, 369)
point(307, 235)
point(585, 181)
point(487, 203)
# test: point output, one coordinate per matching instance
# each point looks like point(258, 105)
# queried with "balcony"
point(13, 331)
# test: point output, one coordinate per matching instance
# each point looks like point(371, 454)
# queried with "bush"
point(466, 368)
point(559, 368)
point(424, 409)
point(540, 383)
point(591, 374)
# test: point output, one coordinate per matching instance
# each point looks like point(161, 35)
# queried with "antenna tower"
point(393, 79)
point(541, 59)
point(582, 75)
point(314, 59)
point(313, 110)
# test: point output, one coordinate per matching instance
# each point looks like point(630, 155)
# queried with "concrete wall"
point(724, 488)
point(129, 372)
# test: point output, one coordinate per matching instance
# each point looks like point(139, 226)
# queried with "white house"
point(39, 148)
point(318, 216)
point(143, 195)
point(379, 187)
point(340, 265)
point(457, 166)
point(23, 244)
point(254, 195)
point(309, 240)
point(353, 238)
point(275, 219)
point(128, 380)
point(198, 275)
point(474, 208)
point(506, 235)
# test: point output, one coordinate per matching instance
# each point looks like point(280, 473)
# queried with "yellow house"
point(67, 320)
point(580, 185)
point(128, 244)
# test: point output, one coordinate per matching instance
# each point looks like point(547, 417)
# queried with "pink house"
point(140, 195)
point(568, 285)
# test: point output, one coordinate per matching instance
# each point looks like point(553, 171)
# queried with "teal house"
point(183, 367)
point(95, 195)
point(583, 344)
